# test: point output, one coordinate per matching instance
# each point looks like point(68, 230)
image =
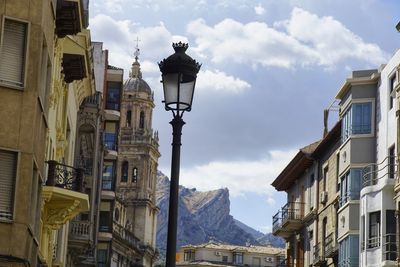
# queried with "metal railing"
point(349, 262)
point(387, 168)
point(292, 211)
point(330, 245)
point(374, 241)
point(276, 221)
point(319, 254)
point(79, 229)
point(64, 176)
point(389, 247)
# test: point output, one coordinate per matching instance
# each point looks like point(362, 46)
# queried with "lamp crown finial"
point(180, 47)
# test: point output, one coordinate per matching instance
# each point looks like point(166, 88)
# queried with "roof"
point(110, 67)
point(332, 137)
point(295, 168)
point(250, 249)
point(136, 84)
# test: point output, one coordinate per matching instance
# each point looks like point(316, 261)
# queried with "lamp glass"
point(170, 82)
point(178, 97)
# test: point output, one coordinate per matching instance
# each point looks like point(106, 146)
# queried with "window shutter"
point(8, 164)
point(12, 53)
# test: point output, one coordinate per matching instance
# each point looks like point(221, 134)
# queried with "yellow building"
point(45, 73)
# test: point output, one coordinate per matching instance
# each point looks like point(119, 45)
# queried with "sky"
point(269, 69)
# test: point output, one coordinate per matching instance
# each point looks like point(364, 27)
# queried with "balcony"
point(331, 247)
point(62, 200)
point(288, 219)
point(111, 111)
point(387, 169)
point(68, 17)
point(123, 234)
point(319, 255)
point(64, 176)
point(110, 145)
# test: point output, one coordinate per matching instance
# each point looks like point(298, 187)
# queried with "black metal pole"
point(177, 124)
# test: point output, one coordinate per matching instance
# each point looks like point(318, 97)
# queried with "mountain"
point(202, 217)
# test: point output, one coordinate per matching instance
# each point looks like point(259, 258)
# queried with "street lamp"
point(179, 73)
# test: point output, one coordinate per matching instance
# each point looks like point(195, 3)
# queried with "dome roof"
point(135, 81)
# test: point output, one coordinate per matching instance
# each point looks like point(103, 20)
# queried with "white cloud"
point(259, 9)
point(240, 177)
point(219, 81)
point(303, 40)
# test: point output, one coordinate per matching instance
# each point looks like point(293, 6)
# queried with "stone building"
point(138, 160)
point(219, 255)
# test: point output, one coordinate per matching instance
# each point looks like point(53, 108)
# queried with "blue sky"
point(269, 69)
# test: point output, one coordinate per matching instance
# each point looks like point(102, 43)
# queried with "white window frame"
point(26, 51)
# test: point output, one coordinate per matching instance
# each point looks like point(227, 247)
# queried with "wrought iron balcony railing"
point(331, 247)
point(292, 211)
point(276, 221)
point(64, 176)
point(372, 173)
point(319, 254)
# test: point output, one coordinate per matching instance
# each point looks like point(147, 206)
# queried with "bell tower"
point(138, 160)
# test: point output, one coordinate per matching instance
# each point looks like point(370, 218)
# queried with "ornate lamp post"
point(179, 73)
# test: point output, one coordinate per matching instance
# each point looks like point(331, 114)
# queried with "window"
point(390, 245)
point(224, 258)
point(348, 251)
point(391, 91)
point(12, 53)
point(105, 221)
point(325, 177)
point(110, 135)
point(128, 118)
point(141, 121)
point(134, 175)
point(392, 162)
point(312, 191)
point(124, 172)
point(237, 258)
point(8, 171)
point(108, 176)
point(45, 76)
point(350, 186)
point(374, 229)
point(188, 255)
point(113, 95)
point(357, 120)
point(102, 257)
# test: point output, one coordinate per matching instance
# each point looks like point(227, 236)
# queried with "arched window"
point(141, 120)
point(124, 172)
point(128, 118)
point(134, 175)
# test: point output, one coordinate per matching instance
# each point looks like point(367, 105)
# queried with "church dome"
point(135, 83)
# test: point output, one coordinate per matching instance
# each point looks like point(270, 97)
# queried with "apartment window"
point(110, 135)
point(392, 162)
point(325, 177)
point(389, 242)
point(108, 176)
point(312, 191)
point(45, 76)
point(224, 258)
point(237, 258)
point(134, 175)
point(13, 53)
point(8, 171)
point(113, 95)
point(392, 82)
point(124, 172)
point(105, 221)
point(128, 118)
point(357, 120)
point(374, 229)
point(102, 257)
point(350, 186)
point(141, 120)
point(348, 251)
point(188, 255)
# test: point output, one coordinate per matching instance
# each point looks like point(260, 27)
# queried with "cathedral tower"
point(138, 160)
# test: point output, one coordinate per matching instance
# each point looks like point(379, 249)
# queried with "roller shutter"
point(12, 53)
point(8, 166)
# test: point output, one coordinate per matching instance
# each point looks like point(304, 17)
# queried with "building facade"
point(215, 254)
